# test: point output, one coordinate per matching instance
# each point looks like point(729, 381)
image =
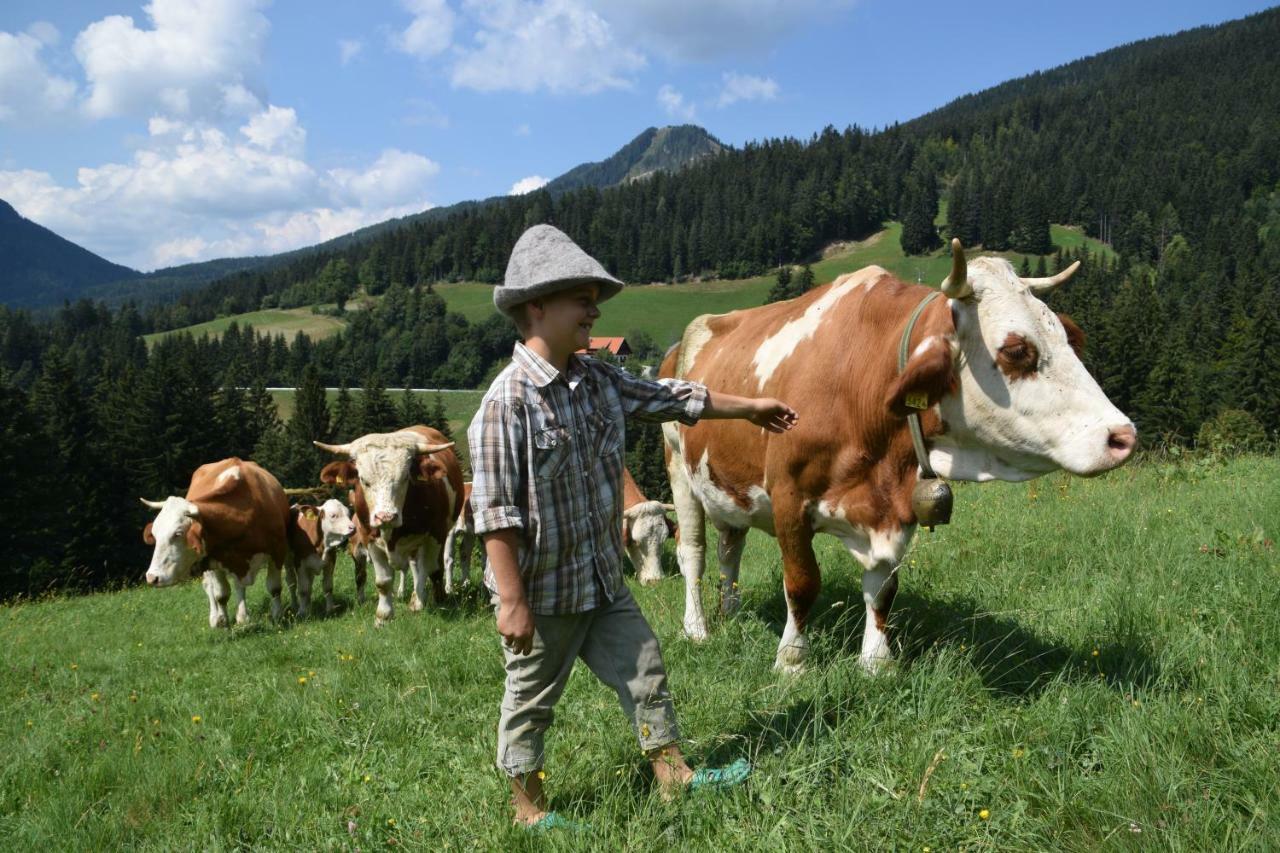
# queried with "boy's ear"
point(926, 379)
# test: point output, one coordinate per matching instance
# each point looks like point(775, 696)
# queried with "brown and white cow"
point(645, 527)
point(1006, 397)
point(316, 535)
point(233, 522)
point(408, 491)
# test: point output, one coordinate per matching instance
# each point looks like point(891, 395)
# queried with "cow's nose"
point(152, 580)
point(1121, 441)
point(384, 517)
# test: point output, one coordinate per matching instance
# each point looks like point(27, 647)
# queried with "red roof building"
point(617, 347)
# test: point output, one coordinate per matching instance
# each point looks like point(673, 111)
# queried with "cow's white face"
point(383, 461)
point(1026, 405)
point(173, 557)
point(335, 524)
point(647, 530)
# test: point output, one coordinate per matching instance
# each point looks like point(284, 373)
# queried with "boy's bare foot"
point(670, 770)
point(527, 798)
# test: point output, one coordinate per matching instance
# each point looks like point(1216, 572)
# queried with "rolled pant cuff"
point(519, 767)
point(656, 731)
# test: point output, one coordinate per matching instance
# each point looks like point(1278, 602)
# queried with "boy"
point(547, 459)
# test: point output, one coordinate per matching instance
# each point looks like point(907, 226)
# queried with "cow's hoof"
point(695, 633)
point(649, 580)
point(415, 603)
point(878, 665)
point(792, 657)
point(218, 622)
point(730, 605)
point(790, 670)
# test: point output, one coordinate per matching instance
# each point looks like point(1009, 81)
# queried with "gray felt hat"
point(544, 261)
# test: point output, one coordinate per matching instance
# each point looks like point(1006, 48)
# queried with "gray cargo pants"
point(617, 644)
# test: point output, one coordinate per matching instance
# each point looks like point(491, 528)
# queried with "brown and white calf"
point(316, 535)
point(645, 526)
point(232, 523)
point(408, 492)
point(1005, 397)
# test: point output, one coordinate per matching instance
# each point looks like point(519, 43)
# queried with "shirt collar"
point(540, 371)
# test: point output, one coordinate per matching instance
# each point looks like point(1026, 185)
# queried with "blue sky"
point(182, 130)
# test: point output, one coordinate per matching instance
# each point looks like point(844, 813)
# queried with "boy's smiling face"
point(564, 319)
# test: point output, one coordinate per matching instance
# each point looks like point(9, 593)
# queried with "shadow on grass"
point(1011, 659)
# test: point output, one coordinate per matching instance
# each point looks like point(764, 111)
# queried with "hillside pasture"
point(1083, 664)
point(663, 310)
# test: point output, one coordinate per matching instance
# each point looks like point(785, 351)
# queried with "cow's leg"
point(274, 588)
point(215, 586)
point(450, 582)
point(732, 541)
point(330, 559)
point(801, 581)
point(879, 586)
point(361, 563)
point(401, 574)
point(240, 586)
point(305, 572)
point(382, 580)
point(691, 552)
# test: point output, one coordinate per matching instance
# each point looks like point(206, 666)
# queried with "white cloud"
point(528, 185)
point(276, 129)
point(193, 53)
point(194, 192)
point(46, 33)
point(431, 31)
point(29, 92)
point(561, 46)
point(744, 87)
point(675, 104)
point(349, 49)
point(712, 29)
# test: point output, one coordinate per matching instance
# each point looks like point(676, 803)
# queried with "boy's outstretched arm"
point(515, 619)
point(766, 412)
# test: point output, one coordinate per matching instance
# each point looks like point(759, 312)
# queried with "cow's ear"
point(1075, 334)
point(426, 469)
point(339, 473)
point(308, 510)
point(195, 537)
point(671, 526)
point(626, 532)
point(147, 536)
point(927, 377)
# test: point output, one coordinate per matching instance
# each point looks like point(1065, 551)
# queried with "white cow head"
point(385, 463)
point(1015, 398)
point(645, 527)
point(335, 524)
point(177, 536)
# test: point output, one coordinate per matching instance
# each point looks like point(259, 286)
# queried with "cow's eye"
point(1018, 357)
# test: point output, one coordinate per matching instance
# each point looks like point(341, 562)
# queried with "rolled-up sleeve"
point(496, 437)
point(661, 399)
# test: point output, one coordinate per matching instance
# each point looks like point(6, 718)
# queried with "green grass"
point(664, 310)
point(1096, 663)
point(283, 321)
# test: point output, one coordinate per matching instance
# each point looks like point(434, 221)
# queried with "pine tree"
point(781, 286)
point(346, 419)
point(377, 412)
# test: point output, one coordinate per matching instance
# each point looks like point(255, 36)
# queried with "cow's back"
point(243, 512)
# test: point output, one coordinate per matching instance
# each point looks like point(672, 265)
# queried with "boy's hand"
point(773, 415)
point(515, 624)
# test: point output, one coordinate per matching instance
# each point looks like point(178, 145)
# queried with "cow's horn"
point(1044, 285)
point(426, 447)
point(669, 507)
point(956, 285)
point(632, 511)
point(340, 449)
point(152, 504)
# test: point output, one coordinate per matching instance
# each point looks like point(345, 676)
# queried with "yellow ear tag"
point(918, 400)
point(339, 481)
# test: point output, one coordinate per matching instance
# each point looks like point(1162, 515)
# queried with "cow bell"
point(931, 502)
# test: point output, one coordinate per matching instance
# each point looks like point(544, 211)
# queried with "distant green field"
point(284, 321)
point(663, 310)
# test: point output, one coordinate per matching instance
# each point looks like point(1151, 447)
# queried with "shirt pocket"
point(607, 432)
point(551, 453)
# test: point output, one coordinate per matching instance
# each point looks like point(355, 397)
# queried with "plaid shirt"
point(547, 458)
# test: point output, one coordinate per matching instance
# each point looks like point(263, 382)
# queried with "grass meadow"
point(1083, 665)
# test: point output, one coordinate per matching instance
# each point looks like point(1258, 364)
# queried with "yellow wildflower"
point(984, 814)
point(367, 777)
point(302, 679)
point(542, 774)
point(197, 719)
point(644, 730)
point(311, 672)
point(95, 696)
point(1095, 653)
point(391, 821)
point(1018, 752)
point(75, 666)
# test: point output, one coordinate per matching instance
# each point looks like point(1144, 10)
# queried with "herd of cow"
point(993, 374)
